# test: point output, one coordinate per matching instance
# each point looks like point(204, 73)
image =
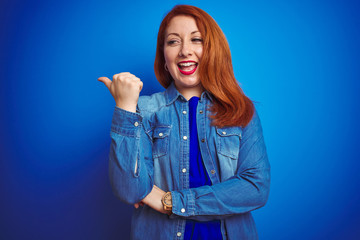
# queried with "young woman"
point(191, 159)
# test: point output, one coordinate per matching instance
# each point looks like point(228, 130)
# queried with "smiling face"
point(183, 48)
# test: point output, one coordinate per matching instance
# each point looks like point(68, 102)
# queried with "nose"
point(185, 50)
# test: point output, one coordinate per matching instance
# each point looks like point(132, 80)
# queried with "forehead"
point(182, 24)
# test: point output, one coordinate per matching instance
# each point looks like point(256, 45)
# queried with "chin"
point(188, 84)
point(190, 80)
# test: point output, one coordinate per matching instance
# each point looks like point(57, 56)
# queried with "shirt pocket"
point(228, 141)
point(161, 135)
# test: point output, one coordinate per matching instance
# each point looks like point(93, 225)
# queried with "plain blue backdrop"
point(298, 60)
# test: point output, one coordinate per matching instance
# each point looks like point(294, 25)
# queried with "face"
point(183, 48)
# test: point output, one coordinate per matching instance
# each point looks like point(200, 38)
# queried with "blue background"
point(299, 60)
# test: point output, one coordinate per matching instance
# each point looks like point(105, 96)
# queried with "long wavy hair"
point(230, 106)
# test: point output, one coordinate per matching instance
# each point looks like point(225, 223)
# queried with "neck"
point(191, 91)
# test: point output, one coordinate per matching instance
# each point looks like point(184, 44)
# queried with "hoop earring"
point(166, 67)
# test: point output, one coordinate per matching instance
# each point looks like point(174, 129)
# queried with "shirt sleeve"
point(247, 190)
point(130, 158)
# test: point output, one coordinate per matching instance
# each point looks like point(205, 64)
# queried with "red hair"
point(230, 106)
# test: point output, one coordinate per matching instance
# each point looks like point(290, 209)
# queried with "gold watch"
point(167, 201)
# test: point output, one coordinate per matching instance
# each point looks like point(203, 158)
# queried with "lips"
point(187, 67)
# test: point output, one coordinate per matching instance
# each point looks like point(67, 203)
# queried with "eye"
point(172, 42)
point(197, 40)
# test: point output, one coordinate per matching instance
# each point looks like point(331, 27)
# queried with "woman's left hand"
point(153, 200)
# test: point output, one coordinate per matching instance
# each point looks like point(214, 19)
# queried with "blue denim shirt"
point(151, 147)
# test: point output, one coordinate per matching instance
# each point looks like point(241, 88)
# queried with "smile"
point(187, 67)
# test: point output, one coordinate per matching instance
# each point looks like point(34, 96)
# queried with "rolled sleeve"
point(130, 159)
point(126, 123)
point(183, 203)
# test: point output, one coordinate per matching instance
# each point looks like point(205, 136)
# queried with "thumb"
point(106, 81)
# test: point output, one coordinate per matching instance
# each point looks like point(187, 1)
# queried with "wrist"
point(167, 201)
point(126, 107)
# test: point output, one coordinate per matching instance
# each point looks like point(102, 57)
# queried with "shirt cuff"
point(183, 203)
point(126, 123)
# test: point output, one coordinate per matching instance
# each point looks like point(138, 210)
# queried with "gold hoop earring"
point(166, 67)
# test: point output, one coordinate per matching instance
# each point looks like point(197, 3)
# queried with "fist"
point(125, 89)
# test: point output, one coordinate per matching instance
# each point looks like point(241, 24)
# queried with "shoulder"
point(152, 103)
point(253, 128)
point(255, 120)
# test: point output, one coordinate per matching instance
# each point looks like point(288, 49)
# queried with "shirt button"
point(203, 140)
point(178, 234)
point(184, 170)
point(161, 134)
point(185, 137)
point(213, 171)
point(224, 133)
point(201, 111)
point(184, 112)
point(182, 210)
point(136, 124)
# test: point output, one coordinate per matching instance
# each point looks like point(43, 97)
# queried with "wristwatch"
point(167, 201)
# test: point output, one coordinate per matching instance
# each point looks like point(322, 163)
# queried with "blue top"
point(151, 147)
point(198, 177)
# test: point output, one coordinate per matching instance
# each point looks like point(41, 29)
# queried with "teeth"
point(187, 64)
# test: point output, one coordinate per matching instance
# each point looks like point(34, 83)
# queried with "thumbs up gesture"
point(125, 89)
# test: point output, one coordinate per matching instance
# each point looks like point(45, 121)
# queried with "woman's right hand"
point(125, 89)
point(154, 200)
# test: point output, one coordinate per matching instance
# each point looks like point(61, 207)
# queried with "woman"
point(192, 159)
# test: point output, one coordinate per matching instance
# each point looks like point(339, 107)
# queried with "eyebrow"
point(179, 35)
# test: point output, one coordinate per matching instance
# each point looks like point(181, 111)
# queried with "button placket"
point(208, 159)
point(184, 143)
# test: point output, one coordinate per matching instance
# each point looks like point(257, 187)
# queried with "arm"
point(154, 200)
point(247, 190)
point(130, 158)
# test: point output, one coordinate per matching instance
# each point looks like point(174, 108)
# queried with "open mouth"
point(187, 67)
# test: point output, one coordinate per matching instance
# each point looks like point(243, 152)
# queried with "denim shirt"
point(151, 147)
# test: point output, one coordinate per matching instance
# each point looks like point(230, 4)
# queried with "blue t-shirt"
point(198, 177)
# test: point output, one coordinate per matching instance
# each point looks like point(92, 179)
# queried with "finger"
point(106, 81)
point(136, 205)
point(126, 74)
point(141, 204)
point(122, 74)
point(139, 81)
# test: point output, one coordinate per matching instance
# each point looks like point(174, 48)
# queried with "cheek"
point(199, 52)
point(166, 56)
point(170, 55)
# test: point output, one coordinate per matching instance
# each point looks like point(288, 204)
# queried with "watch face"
point(167, 199)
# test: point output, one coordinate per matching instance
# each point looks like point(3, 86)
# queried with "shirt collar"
point(207, 95)
point(172, 94)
